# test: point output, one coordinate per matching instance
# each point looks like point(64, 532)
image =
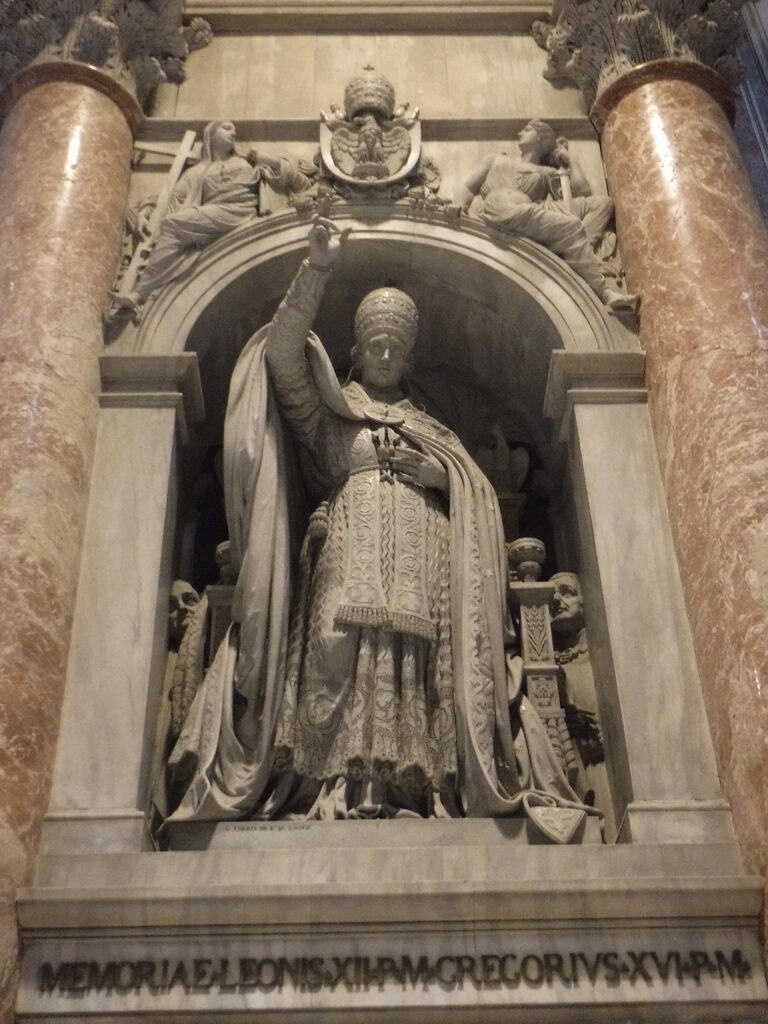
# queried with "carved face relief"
point(223, 141)
point(182, 602)
point(567, 604)
point(529, 143)
point(382, 361)
point(223, 556)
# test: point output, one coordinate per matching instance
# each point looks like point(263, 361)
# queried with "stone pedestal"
point(696, 249)
point(387, 922)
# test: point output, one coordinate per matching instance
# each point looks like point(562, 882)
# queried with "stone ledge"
point(285, 909)
point(439, 16)
point(651, 1013)
point(161, 134)
point(280, 883)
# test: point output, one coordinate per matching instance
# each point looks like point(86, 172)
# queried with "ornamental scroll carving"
point(141, 44)
point(593, 43)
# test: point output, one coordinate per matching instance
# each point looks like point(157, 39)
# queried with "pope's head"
point(386, 323)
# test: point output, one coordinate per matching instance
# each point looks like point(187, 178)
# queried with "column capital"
point(595, 43)
point(137, 43)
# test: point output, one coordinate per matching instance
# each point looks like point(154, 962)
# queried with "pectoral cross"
point(386, 443)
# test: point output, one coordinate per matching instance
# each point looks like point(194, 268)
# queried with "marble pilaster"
point(644, 656)
point(119, 638)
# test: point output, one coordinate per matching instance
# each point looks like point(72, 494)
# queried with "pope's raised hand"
point(325, 243)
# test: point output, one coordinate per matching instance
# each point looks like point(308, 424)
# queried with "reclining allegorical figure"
point(523, 194)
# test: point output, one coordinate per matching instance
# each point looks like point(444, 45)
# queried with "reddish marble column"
point(65, 147)
point(696, 249)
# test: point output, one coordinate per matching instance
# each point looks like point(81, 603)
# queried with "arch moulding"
point(519, 280)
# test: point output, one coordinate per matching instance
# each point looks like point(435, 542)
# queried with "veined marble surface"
point(696, 247)
point(63, 205)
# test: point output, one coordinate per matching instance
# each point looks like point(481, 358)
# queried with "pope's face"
point(382, 361)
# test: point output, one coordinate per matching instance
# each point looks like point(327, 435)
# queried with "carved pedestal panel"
point(389, 922)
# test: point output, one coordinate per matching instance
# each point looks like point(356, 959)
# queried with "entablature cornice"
point(305, 129)
point(439, 16)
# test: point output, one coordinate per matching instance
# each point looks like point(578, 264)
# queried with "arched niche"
point(492, 307)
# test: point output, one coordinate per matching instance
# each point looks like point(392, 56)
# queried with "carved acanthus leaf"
point(95, 41)
point(147, 73)
point(141, 43)
point(593, 42)
point(538, 646)
point(197, 34)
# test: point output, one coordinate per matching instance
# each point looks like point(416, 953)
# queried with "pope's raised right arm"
point(292, 323)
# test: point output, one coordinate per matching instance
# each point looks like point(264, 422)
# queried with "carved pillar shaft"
point(696, 249)
point(65, 150)
point(540, 671)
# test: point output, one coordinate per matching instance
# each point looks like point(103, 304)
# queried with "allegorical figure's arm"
point(471, 185)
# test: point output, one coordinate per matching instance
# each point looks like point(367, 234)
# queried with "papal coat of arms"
point(371, 143)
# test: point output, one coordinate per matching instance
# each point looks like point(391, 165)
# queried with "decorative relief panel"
point(220, 191)
point(371, 150)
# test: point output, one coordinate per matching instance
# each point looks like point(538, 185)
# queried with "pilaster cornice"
point(593, 43)
point(139, 43)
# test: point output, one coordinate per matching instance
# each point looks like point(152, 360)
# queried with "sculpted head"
point(386, 324)
point(218, 140)
point(567, 603)
point(182, 602)
point(223, 559)
point(537, 137)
